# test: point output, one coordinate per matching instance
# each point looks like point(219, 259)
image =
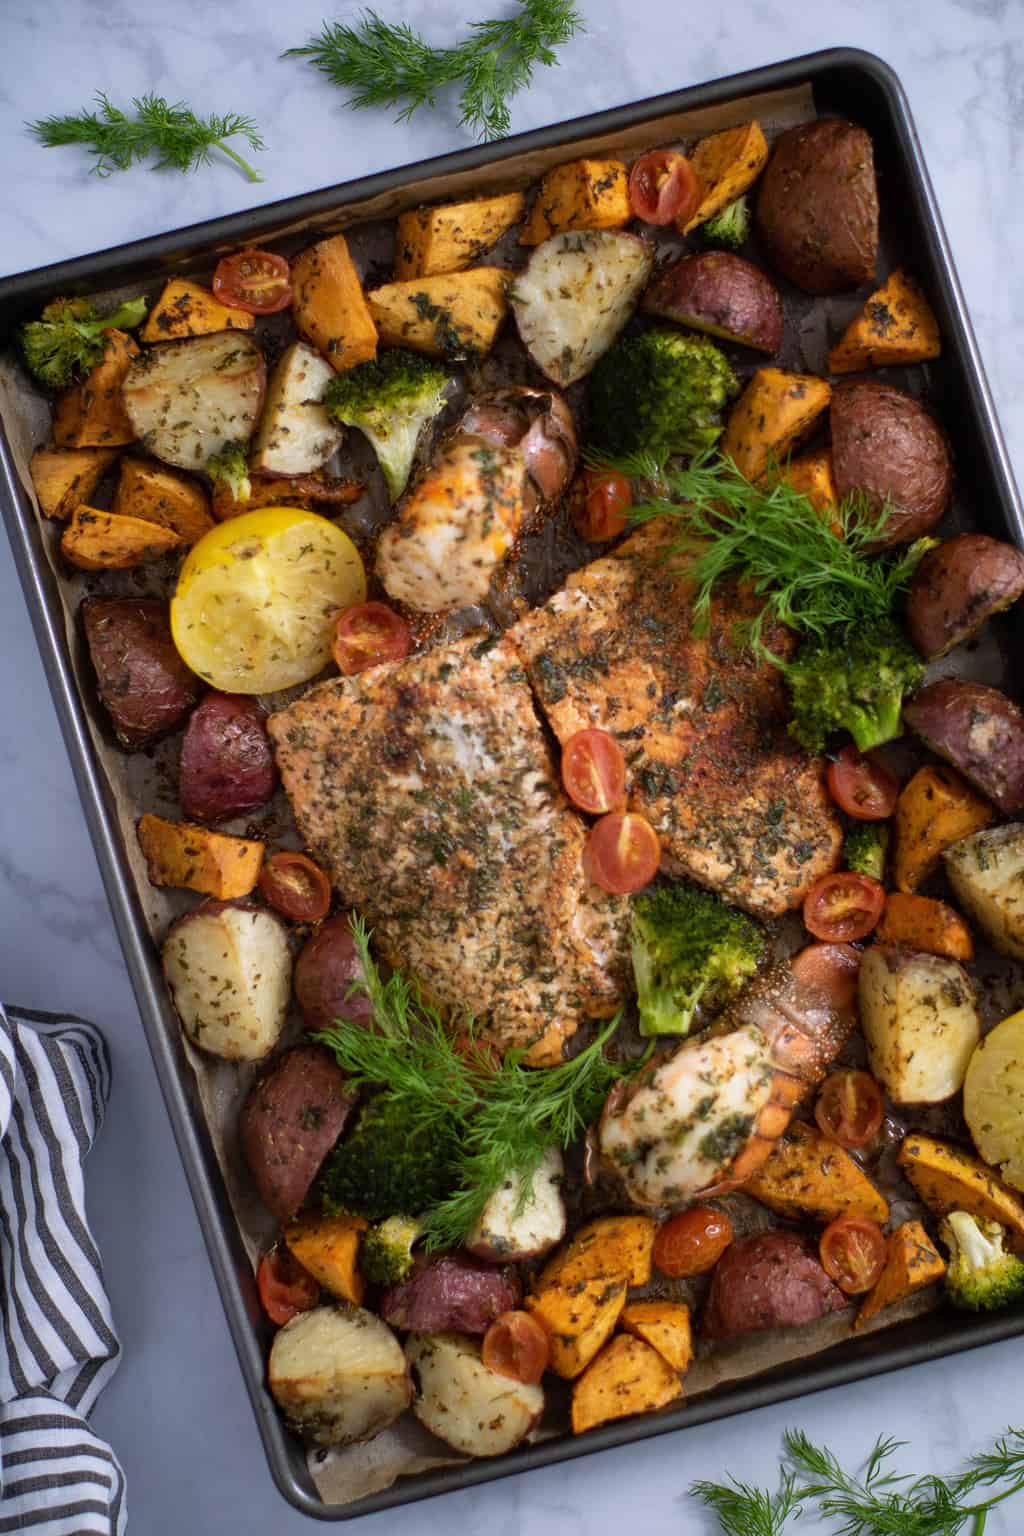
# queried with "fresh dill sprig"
point(818, 577)
point(178, 138)
point(501, 1116)
point(386, 64)
point(744, 1510)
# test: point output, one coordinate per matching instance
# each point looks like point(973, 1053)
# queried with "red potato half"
point(886, 445)
point(772, 1280)
point(454, 1291)
point(187, 400)
point(721, 295)
point(293, 1115)
point(142, 682)
point(979, 731)
point(327, 966)
point(958, 587)
point(229, 969)
point(817, 206)
point(227, 763)
point(473, 1409)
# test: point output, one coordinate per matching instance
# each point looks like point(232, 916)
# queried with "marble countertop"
point(176, 1412)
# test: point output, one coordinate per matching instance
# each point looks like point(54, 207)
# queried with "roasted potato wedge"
point(188, 309)
point(957, 588)
point(451, 1292)
point(188, 399)
point(196, 859)
point(811, 475)
point(451, 236)
point(994, 1099)
point(979, 731)
point(726, 164)
point(896, 326)
point(104, 541)
point(627, 1377)
point(295, 434)
point(936, 808)
point(665, 1326)
point(457, 315)
point(769, 1280)
point(94, 414)
point(918, 922)
point(472, 1408)
point(584, 194)
point(229, 970)
point(65, 477)
point(721, 295)
point(920, 1021)
point(606, 1246)
point(947, 1178)
point(886, 446)
point(158, 495)
point(292, 1116)
point(227, 763)
point(579, 1316)
point(773, 413)
point(986, 870)
point(338, 1374)
point(809, 1177)
point(328, 1246)
point(912, 1261)
point(330, 306)
point(817, 206)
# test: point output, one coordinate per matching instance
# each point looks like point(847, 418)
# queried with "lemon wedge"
point(258, 596)
point(994, 1098)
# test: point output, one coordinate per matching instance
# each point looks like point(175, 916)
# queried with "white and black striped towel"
point(58, 1347)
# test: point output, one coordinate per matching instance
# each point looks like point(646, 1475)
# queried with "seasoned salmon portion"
point(427, 789)
point(737, 805)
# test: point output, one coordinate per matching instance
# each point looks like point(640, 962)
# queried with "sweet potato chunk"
point(936, 808)
point(92, 414)
point(948, 1178)
point(64, 477)
point(811, 475)
point(773, 413)
point(195, 859)
point(323, 493)
point(584, 194)
point(330, 307)
point(665, 1326)
point(911, 1262)
point(328, 1246)
point(726, 164)
point(627, 1377)
point(921, 923)
point(157, 495)
point(609, 1245)
point(457, 315)
point(105, 541)
point(578, 1317)
point(895, 326)
point(809, 1176)
point(188, 309)
point(448, 238)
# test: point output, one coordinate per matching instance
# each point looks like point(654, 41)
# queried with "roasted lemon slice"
point(258, 596)
point(994, 1098)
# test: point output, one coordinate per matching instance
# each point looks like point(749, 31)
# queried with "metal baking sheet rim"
point(932, 1336)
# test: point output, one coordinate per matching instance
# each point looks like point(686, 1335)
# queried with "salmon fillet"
point(737, 805)
point(426, 788)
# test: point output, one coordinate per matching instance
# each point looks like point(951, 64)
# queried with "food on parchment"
point(325, 493)
point(157, 495)
point(97, 413)
point(143, 683)
point(979, 731)
point(920, 1020)
point(986, 870)
point(936, 809)
point(226, 765)
point(295, 433)
point(692, 954)
point(455, 316)
point(811, 475)
point(726, 164)
point(177, 853)
point(659, 391)
point(895, 327)
point(583, 194)
point(475, 1410)
point(70, 339)
point(810, 1178)
point(104, 541)
point(628, 1376)
point(773, 414)
point(330, 307)
point(890, 451)
point(450, 236)
point(920, 922)
point(327, 1245)
point(291, 1118)
point(773, 1280)
point(994, 1098)
point(510, 1229)
point(339, 1374)
point(722, 295)
point(912, 1261)
point(958, 587)
point(982, 1276)
point(948, 1178)
point(65, 477)
point(451, 1292)
point(229, 970)
point(325, 973)
point(663, 188)
point(665, 1325)
point(817, 206)
point(392, 401)
point(188, 399)
point(188, 309)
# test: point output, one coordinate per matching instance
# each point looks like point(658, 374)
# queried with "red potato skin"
point(295, 1112)
point(958, 587)
point(455, 1292)
point(144, 685)
point(325, 970)
point(722, 295)
point(227, 763)
point(817, 206)
point(773, 1280)
point(979, 731)
point(884, 443)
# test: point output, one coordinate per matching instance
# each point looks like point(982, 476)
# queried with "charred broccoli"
point(865, 848)
point(380, 1167)
point(385, 1253)
point(981, 1276)
point(689, 949)
point(854, 683)
point(232, 466)
point(659, 392)
point(730, 226)
point(68, 339)
point(390, 401)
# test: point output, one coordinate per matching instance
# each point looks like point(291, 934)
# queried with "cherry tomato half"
point(594, 771)
point(285, 1287)
point(852, 1251)
point(862, 786)
point(296, 887)
point(600, 506)
point(516, 1345)
point(257, 281)
point(663, 186)
point(692, 1242)
point(623, 853)
point(368, 634)
point(850, 1108)
point(831, 970)
point(844, 906)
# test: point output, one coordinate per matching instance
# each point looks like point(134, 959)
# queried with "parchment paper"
point(147, 781)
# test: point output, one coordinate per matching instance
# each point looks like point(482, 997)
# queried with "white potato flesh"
point(229, 969)
point(986, 870)
point(994, 1099)
point(473, 1409)
point(295, 434)
point(507, 1232)
point(680, 1132)
point(576, 294)
point(188, 399)
point(338, 1374)
point(920, 1022)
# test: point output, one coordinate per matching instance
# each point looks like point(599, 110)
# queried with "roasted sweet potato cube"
point(665, 1326)
point(193, 858)
point(189, 309)
point(921, 923)
point(608, 1245)
point(627, 1377)
point(808, 1176)
point(456, 315)
point(330, 307)
point(811, 475)
point(773, 413)
point(328, 1246)
point(158, 495)
point(947, 1178)
point(911, 1262)
point(726, 164)
point(92, 414)
point(584, 194)
point(104, 541)
point(896, 326)
point(447, 238)
point(64, 477)
point(578, 1317)
point(936, 808)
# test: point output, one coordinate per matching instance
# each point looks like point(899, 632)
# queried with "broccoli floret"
point(385, 1253)
point(390, 401)
point(662, 391)
point(855, 683)
point(380, 1168)
point(68, 339)
point(232, 466)
point(865, 848)
point(689, 948)
point(730, 226)
point(981, 1276)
